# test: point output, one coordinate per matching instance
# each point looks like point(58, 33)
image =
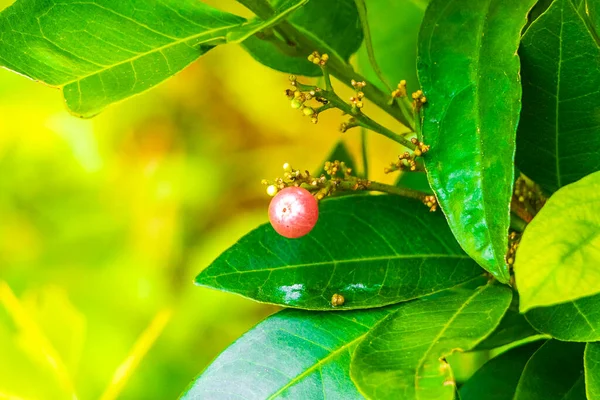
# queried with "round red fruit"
point(293, 212)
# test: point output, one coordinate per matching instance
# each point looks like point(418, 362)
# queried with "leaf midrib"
point(318, 364)
point(352, 260)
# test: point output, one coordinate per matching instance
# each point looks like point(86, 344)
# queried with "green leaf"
point(103, 51)
point(333, 24)
point(373, 250)
point(559, 131)
point(513, 328)
point(559, 255)
point(402, 357)
point(555, 371)
point(576, 321)
point(394, 37)
point(498, 378)
point(293, 354)
point(591, 360)
point(467, 57)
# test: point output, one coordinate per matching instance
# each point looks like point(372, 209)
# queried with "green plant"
point(506, 124)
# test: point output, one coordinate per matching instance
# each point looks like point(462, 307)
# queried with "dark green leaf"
point(103, 51)
point(373, 250)
point(498, 378)
point(559, 131)
point(333, 24)
point(394, 31)
point(559, 255)
point(555, 371)
point(414, 180)
point(576, 321)
point(467, 58)
point(513, 328)
point(292, 354)
point(591, 360)
point(403, 356)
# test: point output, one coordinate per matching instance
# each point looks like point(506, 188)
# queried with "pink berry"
point(293, 212)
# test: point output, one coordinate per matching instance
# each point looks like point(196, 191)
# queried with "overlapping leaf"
point(576, 321)
point(102, 51)
point(373, 250)
point(403, 356)
point(498, 378)
point(559, 256)
point(469, 71)
point(293, 354)
point(333, 24)
point(554, 372)
point(559, 132)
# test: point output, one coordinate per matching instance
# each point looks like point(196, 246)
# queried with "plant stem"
point(338, 67)
point(361, 118)
point(363, 145)
point(391, 189)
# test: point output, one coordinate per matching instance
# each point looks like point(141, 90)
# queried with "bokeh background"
point(104, 223)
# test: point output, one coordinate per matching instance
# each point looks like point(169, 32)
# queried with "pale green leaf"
point(558, 259)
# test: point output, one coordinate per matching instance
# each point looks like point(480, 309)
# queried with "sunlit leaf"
point(293, 354)
point(403, 357)
point(373, 250)
point(467, 57)
point(559, 130)
point(103, 51)
point(559, 256)
point(554, 372)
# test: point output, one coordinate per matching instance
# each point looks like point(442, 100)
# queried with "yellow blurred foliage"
point(104, 223)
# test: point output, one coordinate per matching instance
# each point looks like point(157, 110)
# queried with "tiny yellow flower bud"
point(287, 167)
point(272, 190)
point(296, 104)
point(308, 111)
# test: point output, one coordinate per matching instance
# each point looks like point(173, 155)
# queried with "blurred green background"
point(104, 223)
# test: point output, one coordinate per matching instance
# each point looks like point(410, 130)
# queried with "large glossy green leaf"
point(394, 30)
point(559, 256)
point(333, 24)
point(373, 250)
point(559, 132)
point(403, 356)
point(292, 354)
point(102, 51)
point(467, 58)
point(591, 361)
point(554, 372)
point(576, 321)
point(498, 378)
